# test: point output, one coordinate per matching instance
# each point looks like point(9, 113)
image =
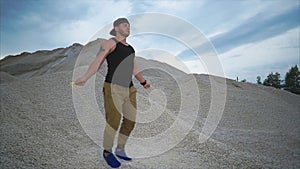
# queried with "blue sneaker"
point(111, 160)
point(120, 152)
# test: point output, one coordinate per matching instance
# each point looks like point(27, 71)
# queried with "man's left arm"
point(138, 75)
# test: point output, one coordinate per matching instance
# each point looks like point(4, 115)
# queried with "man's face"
point(123, 29)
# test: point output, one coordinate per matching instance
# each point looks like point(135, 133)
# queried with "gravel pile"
point(39, 127)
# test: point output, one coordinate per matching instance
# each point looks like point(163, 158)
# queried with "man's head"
point(121, 26)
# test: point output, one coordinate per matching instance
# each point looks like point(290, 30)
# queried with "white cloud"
point(164, 57)
point(271, 55)
point(176, 8)
point(213, 18)
point(159, 42)
point(216, 33)
point(276, 54)
point(169, 26)
point(195, 66)
point(49, 27)
point(100, 14)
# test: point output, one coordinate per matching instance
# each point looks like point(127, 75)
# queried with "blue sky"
point(253, 37)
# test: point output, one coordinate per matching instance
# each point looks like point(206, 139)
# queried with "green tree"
point(292, 80)
point(244, 80)
point(258, 80)
point(273, 79)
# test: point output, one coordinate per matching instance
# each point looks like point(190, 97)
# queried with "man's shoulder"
point(108, 43)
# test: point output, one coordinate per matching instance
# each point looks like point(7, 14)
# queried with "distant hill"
point(27, 65)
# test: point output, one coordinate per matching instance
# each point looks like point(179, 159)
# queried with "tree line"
point(290, 83)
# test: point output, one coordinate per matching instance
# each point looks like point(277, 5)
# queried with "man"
point(118, 90)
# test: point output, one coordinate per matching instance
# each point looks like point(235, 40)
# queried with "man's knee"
point(130, 125)
point(127, 127)
point(113, 122)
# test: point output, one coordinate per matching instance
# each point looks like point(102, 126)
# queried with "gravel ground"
point(40, 129)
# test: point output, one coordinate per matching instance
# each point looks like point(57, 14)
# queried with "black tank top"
point(120, 65)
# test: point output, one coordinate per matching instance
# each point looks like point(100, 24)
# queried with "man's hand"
point(146, 86)
point(81, 81)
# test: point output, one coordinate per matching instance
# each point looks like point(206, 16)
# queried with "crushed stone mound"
point(40, 129)
point(5, 77)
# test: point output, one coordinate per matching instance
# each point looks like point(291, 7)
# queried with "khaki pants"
point(118, 101)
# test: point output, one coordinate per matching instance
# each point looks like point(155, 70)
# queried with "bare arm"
point(106, 48)
point(138, 75)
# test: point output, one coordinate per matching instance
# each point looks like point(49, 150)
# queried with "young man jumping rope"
point(118, 90)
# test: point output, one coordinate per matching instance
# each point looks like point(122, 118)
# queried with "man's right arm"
point(107, 47)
